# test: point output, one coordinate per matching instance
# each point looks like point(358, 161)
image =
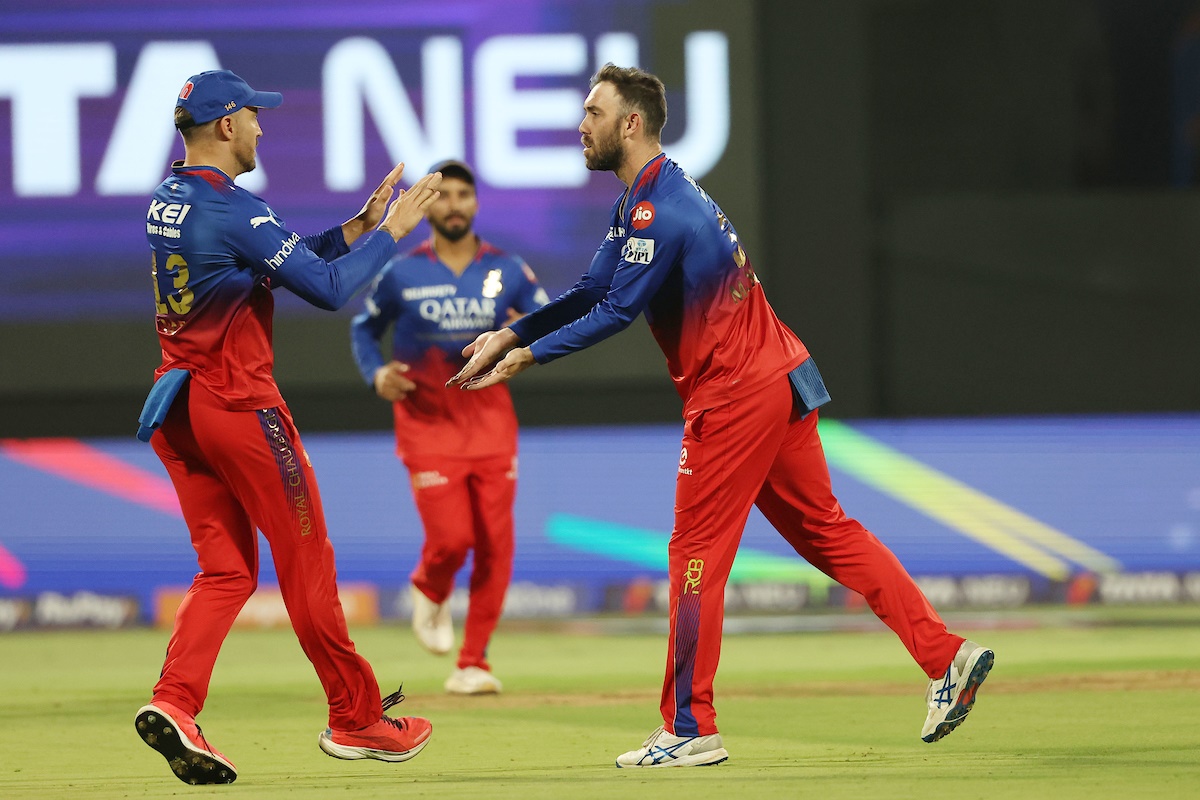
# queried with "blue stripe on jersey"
point(687, 634)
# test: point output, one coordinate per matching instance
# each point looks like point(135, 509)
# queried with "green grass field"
point(1073, 709)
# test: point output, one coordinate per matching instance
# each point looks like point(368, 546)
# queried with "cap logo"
point(187, 89)
point(230, 105)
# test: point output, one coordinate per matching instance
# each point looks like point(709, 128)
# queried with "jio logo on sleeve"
point(642, 215)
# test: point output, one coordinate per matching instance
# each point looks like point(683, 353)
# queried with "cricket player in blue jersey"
point(750, 395)
point(439, 297)
point(217, 421)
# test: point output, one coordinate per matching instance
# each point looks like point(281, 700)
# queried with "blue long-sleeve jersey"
point(672, 254)
point(435, 314)
point(217, 250)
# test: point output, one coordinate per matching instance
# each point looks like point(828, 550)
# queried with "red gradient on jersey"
point(215, 179)
point(649, 173)
point(442, 421)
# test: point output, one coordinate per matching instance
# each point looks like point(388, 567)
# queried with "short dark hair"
point(639, 91)
point(453, 168)
point(184, 123)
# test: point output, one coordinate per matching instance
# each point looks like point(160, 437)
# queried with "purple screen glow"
point(87, 89)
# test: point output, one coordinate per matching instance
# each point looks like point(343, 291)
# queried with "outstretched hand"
point(372, 211)
point(488, 349)
point(409, 208)
point(517, 360)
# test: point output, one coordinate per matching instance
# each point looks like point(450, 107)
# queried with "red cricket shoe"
point(389, 739)
point(175, 735)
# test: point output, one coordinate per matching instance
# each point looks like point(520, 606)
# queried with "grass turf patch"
point(1070, 711)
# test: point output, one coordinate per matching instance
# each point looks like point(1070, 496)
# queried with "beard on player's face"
point(451, 229)
point(245, 139)
point(607, 150)
point(246, 159)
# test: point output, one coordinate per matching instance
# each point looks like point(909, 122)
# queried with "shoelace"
point(654, 736)
point(203, 742)
point(400, 724)
point(395, 699)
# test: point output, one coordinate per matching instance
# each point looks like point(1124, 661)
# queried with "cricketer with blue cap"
point(213, 94)
point(218, 422)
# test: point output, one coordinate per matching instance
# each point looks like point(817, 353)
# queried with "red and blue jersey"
point(672, 254)
point(435, 314)
point(217, 250)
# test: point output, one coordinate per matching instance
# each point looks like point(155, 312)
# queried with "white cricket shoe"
point(431, 623)
point(663, 749)
point(951, 696)
point(472, 680)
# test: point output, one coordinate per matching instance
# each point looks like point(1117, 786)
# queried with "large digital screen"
point(87, 91)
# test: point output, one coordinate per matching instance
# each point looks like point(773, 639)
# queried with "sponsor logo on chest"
point(459, 313)
point(423, 292)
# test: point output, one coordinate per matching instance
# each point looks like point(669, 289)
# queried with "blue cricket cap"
point(217, 92)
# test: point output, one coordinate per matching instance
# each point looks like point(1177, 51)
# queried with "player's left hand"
point(372, 211)
point(517, 360)
point(486, 350)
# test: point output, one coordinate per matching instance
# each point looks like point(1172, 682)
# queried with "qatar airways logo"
point(49, 88)
point(285, 249)
point(460, 313)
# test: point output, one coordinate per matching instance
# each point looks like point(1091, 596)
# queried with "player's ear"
point(224, 127)
point(633, 123)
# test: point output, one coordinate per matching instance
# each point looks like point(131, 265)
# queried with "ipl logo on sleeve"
point(638, 251)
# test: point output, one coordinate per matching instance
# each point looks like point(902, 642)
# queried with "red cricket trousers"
point(235, 471)
point(758, 450)
point(466, 504)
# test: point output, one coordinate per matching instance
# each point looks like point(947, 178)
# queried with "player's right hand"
point(488, 348)
point(409, 208)
point(391, 383)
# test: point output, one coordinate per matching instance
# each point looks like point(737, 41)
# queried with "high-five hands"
point(372, 211)
point(409, 208)
point(498, 348)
